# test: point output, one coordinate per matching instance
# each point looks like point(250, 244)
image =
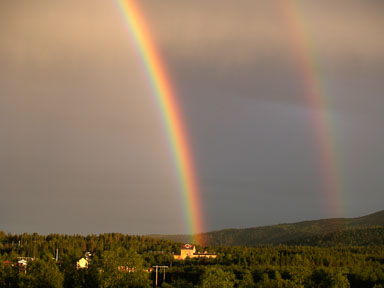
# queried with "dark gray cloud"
point(82, 145)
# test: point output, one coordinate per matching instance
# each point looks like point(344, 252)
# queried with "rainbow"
point(170, 111)
point(318, 100)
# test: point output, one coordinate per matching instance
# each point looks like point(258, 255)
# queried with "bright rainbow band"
point(167, 103)
point(318, 100)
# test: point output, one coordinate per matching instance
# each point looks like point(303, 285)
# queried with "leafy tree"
point(180, 283)
point(43, 274)
point(247, 281)
point(340, 281)
point(322, 278)
point(10, 276)
point(113, 275)
point(215, 277)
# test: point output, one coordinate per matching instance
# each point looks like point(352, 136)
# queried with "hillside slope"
point(365, 230)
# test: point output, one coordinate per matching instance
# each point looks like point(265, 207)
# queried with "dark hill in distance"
point(365, 230)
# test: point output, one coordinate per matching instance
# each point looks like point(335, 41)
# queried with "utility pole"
point(156, 276)
point(157, 267)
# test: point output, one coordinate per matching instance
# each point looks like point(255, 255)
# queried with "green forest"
point(365, 230)
point(52, 263)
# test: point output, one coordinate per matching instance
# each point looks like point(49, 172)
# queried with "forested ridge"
point(264, 266)
point(366, 230)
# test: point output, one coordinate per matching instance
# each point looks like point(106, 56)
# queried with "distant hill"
point(365, 230)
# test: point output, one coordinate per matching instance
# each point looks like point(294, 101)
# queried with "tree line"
point(265, 266)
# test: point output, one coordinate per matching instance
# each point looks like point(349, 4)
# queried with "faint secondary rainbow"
point(317, 98)
point(167, 103)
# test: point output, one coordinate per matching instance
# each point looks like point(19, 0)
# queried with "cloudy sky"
point(82, 144)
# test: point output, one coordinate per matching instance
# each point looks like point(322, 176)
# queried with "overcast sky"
point(82, 146)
